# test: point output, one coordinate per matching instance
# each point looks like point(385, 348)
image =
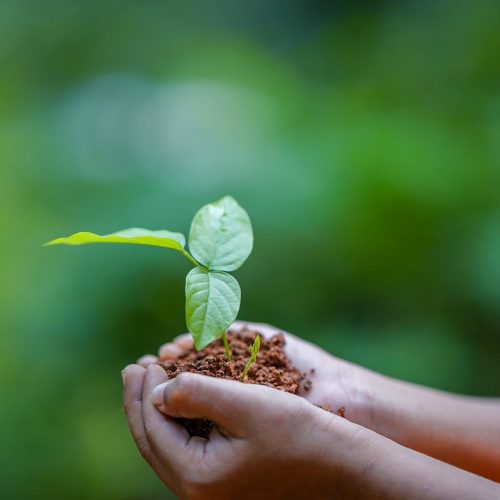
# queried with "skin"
point(311, 453)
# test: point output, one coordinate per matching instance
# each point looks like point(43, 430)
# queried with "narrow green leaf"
point(256, 345)
point(221, 236)
point(254, 351)
point(212, 304)
point(132, 236)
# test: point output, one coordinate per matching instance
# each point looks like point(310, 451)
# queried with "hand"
point(270, 444)
point(459, 430)
point(336, 384)
point(266, 443)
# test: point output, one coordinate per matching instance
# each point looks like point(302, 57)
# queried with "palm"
point(326, 373)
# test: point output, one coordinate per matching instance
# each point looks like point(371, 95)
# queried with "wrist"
point(371, 400)
point(363, 464)
point(337, 456)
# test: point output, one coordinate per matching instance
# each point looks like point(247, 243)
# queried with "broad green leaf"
point(212, 304)
point(132, 236)
point(221, 236)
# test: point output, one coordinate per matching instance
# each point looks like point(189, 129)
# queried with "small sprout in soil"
point(254, 350)
point(220, 241)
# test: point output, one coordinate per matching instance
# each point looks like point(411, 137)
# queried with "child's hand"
point(459, 430)
point(336, 384)
point(270, 444)
point(266, 443)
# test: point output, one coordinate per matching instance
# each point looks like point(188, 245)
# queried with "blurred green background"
point(362, 138)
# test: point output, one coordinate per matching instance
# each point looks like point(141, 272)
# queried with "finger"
point(233, 406)
point(167, 438)
point(263, 329)
point(147, 359)
point(237, 326)
point(293, 343)
point(184, 340)
point(172, 350)
point(133, 379)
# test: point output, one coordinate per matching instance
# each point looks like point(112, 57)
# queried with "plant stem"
point(188, 256)
point(226, 347)
point(254, 351)
point(245, 370)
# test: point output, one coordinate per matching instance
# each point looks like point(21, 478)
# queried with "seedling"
point(220, 241)
point(254, 350)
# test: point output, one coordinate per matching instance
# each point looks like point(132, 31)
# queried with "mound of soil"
point(272, 368)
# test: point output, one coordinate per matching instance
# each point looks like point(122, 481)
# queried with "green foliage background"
point(362, 137)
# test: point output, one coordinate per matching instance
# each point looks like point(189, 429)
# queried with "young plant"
point(220, 241)
point(254, 350)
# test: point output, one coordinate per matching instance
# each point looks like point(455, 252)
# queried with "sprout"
point(220, 241)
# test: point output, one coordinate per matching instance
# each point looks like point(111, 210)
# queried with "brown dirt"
point(272, 368)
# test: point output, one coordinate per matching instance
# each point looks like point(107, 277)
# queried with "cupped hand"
point(265, 444)
point(337, 385)
point(269, 444)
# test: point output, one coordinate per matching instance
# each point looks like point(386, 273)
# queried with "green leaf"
point(221, 236)
point(256, 346)
point(132, 236)
point(212, 304)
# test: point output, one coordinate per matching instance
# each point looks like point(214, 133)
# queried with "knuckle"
point(294, 410)
point(128, 407)
point(164, 350)
point(181, 338)
point(185, 383)
point(181, 389)
point(148, 431)
point(143, 447)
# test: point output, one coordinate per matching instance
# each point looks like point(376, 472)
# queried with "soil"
point(272, 368)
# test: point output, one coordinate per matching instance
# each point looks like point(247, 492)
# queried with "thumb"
point(233, 406)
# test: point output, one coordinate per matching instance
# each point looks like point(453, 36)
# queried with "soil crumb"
point(341, 412)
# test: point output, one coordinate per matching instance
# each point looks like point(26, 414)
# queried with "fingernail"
point(158, 392)
point(124, 377)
